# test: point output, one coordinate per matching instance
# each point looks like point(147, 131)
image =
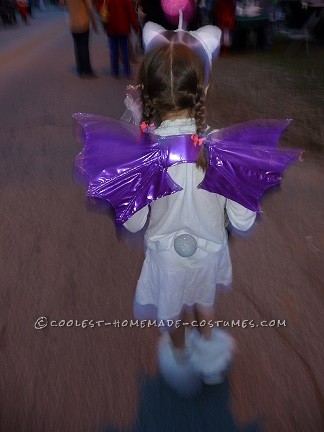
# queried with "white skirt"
point(169, 283)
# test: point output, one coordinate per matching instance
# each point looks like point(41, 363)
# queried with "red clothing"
point(22, 9)
point(122, 17)
point(225, 14)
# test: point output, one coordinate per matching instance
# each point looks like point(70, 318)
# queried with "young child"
point(174, 90)
point(167, 179)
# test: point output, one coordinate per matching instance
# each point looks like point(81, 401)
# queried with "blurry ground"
point(61, 261)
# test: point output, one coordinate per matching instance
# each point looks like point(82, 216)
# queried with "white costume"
point(168, 281)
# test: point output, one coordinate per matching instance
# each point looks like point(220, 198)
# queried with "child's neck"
point(184, 114)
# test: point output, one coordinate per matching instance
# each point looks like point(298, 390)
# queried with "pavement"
point(61, 261)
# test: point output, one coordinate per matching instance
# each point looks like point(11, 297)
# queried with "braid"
point(148, 109)
point(200, 119)
point(200, 110)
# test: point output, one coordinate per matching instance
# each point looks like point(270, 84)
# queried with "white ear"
point(151, 30)
point(209, 36)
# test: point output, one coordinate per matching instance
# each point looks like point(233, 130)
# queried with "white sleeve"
point(137, 221)
point(240, 217)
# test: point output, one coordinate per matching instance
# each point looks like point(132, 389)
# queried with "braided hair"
point(172, 79)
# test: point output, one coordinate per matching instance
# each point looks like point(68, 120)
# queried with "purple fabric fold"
point(129, 170)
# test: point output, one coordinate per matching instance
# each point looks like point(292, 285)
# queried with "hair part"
point(172, 79)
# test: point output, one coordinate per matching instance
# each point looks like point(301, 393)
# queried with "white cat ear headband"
point(205, 42)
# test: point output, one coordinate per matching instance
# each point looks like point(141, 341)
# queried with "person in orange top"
point(80, 15)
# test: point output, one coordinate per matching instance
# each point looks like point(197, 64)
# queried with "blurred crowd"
point(244, 23)
point(123, 20)
point(10, 9)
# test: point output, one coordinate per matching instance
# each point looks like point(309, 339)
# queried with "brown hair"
point(172, 78)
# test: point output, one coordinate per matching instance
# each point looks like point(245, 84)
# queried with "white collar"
point(176, 126)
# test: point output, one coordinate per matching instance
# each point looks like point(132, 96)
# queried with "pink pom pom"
point(172, 7)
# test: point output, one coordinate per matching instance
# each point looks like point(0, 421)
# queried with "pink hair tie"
point(144, 126)
point(196, 140)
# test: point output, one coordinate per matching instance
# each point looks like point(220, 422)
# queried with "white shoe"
point(176, 368)
point(211, 358)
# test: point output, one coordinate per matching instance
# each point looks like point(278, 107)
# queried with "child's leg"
point(212, 352)
point(196, 315)
point(175, 365)
point(177, 336)
point(205, 316)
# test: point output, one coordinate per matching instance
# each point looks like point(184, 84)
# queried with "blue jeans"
point(114, 43)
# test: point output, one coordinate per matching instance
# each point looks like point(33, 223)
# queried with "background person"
point(121, 17)
point(80, 15)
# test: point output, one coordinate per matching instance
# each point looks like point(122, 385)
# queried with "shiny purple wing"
point(244, 161)
point(118, 167)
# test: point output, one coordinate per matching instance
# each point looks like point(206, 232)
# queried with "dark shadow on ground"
point(162, 410)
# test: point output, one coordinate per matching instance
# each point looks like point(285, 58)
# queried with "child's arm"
point(137, 221)
point(240, 217)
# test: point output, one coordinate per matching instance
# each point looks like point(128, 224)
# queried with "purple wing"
point(244, 161)
point(118, 167)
